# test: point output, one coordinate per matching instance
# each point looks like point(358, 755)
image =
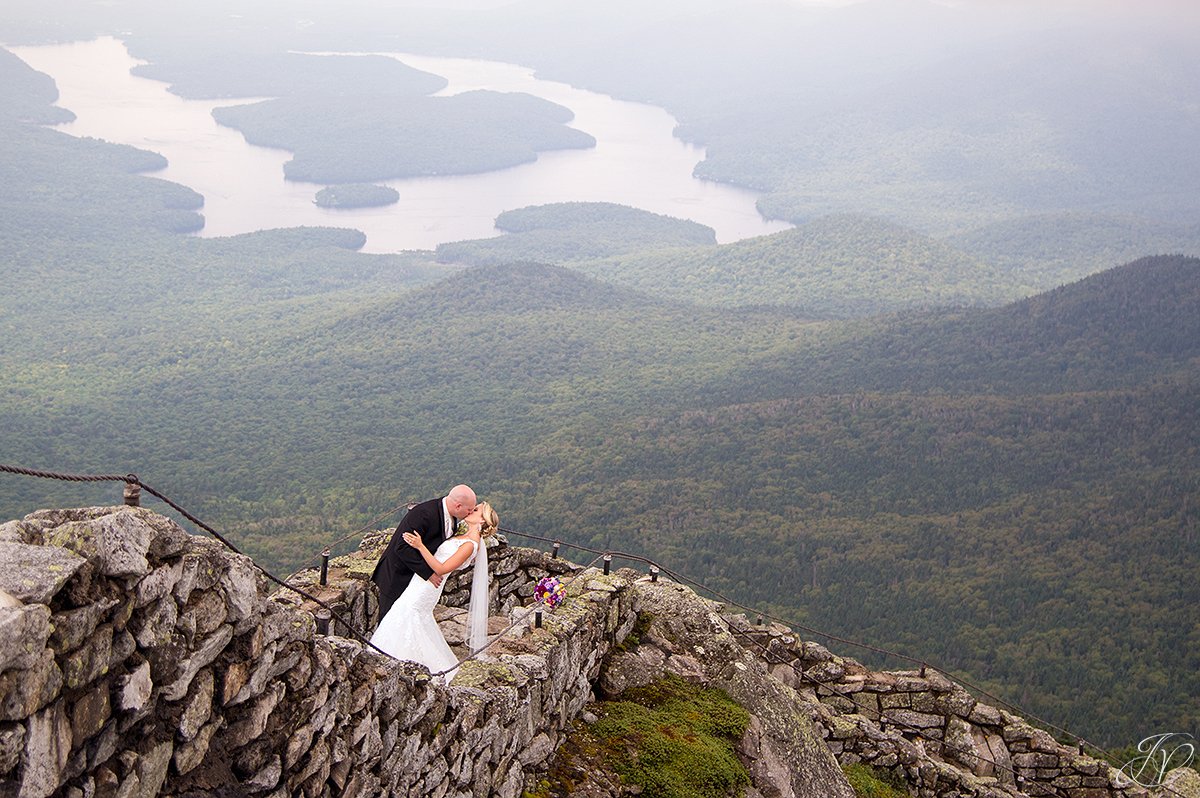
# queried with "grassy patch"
point(634, 639)
point(675, 740)
point(869, 782)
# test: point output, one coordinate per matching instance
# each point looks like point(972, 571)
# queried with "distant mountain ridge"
point(1113, 329)
point(840, 266)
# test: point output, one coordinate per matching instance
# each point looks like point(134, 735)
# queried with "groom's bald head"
point(460, 501)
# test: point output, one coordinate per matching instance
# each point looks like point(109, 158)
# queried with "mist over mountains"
point(951, 412)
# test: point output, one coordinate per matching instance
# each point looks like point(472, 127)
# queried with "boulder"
point(47, 749)
point(20, 532)
point(627, 669)
point(117, 542)
point(72, 627)
point(204, 655)
point(24, 631)
point(35, 574)
point(23, 692)
point(693, 623)
point(765, 763)
point(136, 688)
point(1180, 783)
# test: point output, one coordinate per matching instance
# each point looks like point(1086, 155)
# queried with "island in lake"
point(356, 195)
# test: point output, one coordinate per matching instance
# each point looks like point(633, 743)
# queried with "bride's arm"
point(441, 568)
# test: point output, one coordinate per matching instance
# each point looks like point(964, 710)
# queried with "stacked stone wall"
point(139, 661)
point(929, 730)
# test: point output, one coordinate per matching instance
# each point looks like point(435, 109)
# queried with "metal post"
point(653, 573)
point(325, 566)
point(323, 617)
point(922, 670)
point(133, 494)
point(607, 563)
point(537, 619)
point(759, 622)
point(554, 554)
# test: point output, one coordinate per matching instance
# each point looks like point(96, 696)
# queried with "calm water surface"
point(637, 161)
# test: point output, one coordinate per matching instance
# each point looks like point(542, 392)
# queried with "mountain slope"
point(1118, 328)
point(838, 266)
point(1055, 248)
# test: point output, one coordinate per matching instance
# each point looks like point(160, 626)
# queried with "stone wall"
point(349, 592)
point(963, 747)
point(141, 661)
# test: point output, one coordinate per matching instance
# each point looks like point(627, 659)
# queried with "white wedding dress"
point(408, 631)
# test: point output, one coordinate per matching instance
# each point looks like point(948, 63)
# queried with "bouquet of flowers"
point(550, 591)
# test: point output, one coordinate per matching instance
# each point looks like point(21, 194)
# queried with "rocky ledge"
point(138, 660)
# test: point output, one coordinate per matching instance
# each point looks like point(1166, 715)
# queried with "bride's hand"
point(414, 540)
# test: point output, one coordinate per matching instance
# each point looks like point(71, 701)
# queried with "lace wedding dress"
point(408, 631)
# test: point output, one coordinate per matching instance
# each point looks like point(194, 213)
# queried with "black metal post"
point(759, 622)
point(607, 563)
point(323, 617)
point(554, 554)
point(653, 573)
point(537, 619)
point(325, 566)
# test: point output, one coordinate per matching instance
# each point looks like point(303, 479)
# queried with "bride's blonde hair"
point(491, 521)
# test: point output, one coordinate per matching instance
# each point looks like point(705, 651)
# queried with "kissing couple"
point(433, 539)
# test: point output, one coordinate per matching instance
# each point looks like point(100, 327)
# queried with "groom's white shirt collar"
point(447, 521)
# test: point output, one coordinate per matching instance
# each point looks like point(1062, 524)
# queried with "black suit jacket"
point(400, 561)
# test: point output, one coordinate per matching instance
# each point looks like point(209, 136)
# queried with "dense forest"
point(576, 231)
point(837, 265)
point(901, 422)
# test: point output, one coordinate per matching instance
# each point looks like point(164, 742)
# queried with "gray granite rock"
point(1180, 783)
point(117, 544)
point(47, 749)
point(24, 631)
point(205, 654)
point(35, 574)
point(23, 692)
point(12, 742)
point(20, 532)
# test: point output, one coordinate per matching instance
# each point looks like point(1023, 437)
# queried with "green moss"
point(868, 782)
point(476, 673)
point(675, 740)
point(640, 627)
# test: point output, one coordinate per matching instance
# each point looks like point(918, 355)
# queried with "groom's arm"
point(413, 559)
point(417, 521)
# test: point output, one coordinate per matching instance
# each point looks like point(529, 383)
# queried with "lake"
point(637, 160)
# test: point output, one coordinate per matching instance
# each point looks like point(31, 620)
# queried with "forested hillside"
point(1051, 249)
point(837, 265)
point(576, 231)
point(337, 140)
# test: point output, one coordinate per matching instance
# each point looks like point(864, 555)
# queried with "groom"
point(434, 521)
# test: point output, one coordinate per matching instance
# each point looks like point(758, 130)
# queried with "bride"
point(408, 631)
